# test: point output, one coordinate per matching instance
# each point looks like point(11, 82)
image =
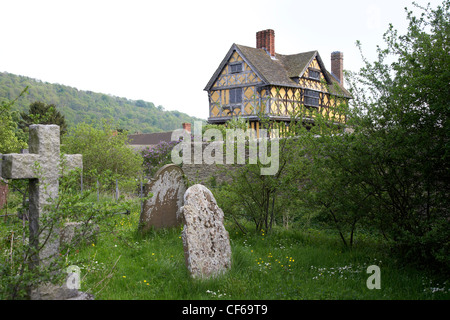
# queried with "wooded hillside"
point(86, 106)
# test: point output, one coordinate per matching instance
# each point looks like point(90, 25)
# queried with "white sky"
point(166, 51)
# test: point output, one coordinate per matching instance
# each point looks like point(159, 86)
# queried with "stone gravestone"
point(162, 209)
point(3, 191)
point(206, 243)
point(41, 166)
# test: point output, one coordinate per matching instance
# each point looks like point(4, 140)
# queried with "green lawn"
point(282, 265)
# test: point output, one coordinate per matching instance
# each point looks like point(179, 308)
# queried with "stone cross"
point(41, 166)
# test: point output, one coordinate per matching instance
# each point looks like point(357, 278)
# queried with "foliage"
point(391, 173)
point(10, 139)
point(157, 156)
point(40, 113)
point(265, 199)
point(104, 150)
point(406, 133)
point(86, 106)
point(18, 271)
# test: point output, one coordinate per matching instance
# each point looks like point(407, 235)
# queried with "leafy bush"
point(104, 150)
point(18, 272)
point(157, 156)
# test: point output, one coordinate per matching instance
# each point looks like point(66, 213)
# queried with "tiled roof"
point(149, 138)
point(279, 70)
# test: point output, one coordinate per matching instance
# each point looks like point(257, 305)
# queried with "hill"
point(86, 106)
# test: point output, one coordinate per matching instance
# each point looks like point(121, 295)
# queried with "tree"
point(10, 140)
point(41, 113)
point(104, 151)
point(335, 188)
point(397, 157)
point(265, 198)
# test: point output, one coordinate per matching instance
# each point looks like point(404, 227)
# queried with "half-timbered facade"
point(251, 82)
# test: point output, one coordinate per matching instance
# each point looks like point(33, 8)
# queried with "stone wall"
point(205, 173)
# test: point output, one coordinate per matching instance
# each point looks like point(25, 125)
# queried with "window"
point(236, 67)
point(311, 98)
point(235, 95)
point(314, 74)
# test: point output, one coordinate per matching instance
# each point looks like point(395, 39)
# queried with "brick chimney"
point(187, 126)
point(337, 66)
point(265, 39)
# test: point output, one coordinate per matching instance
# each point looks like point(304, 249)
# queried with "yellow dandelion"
point(124, 276)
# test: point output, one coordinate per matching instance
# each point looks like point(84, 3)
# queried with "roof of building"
point(147, 139)
point(279, 70)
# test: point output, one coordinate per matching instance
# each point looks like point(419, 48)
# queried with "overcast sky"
point(166, 51)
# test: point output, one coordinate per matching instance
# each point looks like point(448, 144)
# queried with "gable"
point(314, 71)
point(225, 76)
point(235, 72)
point(314, 75)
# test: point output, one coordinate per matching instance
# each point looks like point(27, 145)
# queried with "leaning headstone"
point(162, 209)
point(41, 166)
point(206, 242)
point(3, 192)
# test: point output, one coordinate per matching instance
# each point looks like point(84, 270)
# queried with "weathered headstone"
point(162, 209)
point(41, 166)
point(3, 192)
point(206, 242)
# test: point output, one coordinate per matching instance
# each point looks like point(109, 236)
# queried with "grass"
point(123, 264)
point(282, 265)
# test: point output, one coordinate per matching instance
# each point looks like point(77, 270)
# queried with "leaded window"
point(311, 98)
point(235, 95)
point(314, 74)
point(235, 67)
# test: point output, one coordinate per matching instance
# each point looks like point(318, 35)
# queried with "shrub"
point(104, 150)
point(157, 156)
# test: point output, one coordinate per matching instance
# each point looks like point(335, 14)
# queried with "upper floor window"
point(314, 74)
point(311, 98)
point(235, 95)
point(235, 67)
